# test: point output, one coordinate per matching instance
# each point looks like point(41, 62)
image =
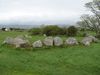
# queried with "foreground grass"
point(76, 60)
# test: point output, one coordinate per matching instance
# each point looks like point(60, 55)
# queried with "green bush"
point(72, 31)
point(52, 30)
point(35, 31)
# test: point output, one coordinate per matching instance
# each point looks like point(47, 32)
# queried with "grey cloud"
point(41, 11)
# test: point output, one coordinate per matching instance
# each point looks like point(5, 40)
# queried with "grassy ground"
point(76, 60)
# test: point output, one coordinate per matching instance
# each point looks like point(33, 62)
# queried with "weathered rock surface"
point(37, 44)
point(58, 41)
point(15, 41)
point(19, 41)
point(48, 41)
point(88, 40)
point(94, 39)
point(71, 41)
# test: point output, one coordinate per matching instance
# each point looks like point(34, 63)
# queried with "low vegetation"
point(74, 60)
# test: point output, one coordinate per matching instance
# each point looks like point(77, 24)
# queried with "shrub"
point(52, 30)
point(63, 31)
point(72, 31)
point(35, 31)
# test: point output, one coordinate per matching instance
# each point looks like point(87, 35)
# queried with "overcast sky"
point(41, 11)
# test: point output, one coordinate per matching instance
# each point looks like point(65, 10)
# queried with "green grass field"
point(75, 60)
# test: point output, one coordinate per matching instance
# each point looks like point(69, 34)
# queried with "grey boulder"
point(88, 40)
point(17, 42)
point(48, 41)
point(58, 41)
point(37, 44)
point(71, 41)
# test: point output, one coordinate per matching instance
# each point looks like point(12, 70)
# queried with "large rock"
point(71, 41)
point(48, 41)
point(58, 41)
point(17, 42)
point(37, 44)
point(88, 40)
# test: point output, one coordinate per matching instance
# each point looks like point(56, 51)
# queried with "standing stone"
point(88, 40)
point(37, 44)
point(87, 43)
point(71, 41)
point(48, 41)
point(58, 41)
point(19, 41)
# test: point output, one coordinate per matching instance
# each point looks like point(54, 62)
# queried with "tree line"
point(53, 30)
